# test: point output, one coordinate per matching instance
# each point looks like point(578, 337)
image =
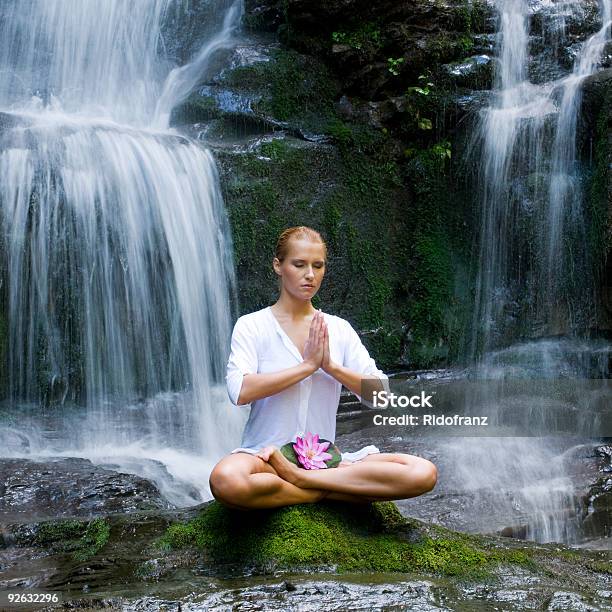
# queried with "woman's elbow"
point(244, 396)
point(242, 400)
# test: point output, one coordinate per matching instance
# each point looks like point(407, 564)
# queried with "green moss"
point(471, 16)
point(599, 234)
point(448, 557)
point(93, 540)
point(523, 558)
point(432, 293)
point(291, 87)
point(83, 539)
point(276, 149)
point(196, 108)
point(365, 37)
point(600, 566)
point(374, 537)
point(56, 531)
point(465, 43)
point(436, 248)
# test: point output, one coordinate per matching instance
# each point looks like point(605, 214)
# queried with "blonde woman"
point(289, 361)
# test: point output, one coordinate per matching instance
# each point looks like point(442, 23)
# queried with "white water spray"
point(117, 259)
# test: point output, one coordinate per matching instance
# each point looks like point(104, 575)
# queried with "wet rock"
point(475, 72)
point(178, 555)
point(570, 601)
point(358, 38)
point(70, 487)
point(10, 120)
point(595, 88)
point(185, 27)
point(598, 503)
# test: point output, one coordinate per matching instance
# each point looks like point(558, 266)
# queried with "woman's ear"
point(276, 264)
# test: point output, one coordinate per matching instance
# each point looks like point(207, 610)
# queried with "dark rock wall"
point(355, 124)
point(597, 145)
point(358, 123)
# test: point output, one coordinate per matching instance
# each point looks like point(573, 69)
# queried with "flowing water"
point(117, 269)
point(534, 278)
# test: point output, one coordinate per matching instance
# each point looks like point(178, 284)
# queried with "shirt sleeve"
point(242, 359)
point(357, 358)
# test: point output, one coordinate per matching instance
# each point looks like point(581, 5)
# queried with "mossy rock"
point(82, 539)
point(344, 537)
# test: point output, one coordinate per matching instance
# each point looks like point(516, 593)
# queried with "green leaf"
point(333, 450)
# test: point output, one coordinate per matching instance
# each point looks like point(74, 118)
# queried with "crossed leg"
point(269, 480)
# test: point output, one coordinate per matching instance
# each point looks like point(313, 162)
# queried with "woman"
point(289, 361)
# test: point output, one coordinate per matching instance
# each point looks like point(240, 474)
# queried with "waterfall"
point(533, 269)
point(565, 201)
point(117, 267)
point(533, 278)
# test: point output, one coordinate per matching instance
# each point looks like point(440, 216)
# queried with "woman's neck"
point(293, 308)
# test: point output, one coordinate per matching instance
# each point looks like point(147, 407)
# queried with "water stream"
point(118, 266)
point(533, 303)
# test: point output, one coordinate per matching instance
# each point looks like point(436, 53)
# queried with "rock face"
point(597, 97)
point(357, 119)
point(337, 129)
point(72, 487)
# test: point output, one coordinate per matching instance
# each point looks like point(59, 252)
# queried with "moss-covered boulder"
point(208, 554)
point(345, 537)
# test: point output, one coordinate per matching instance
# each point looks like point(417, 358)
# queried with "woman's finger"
point(313, 328)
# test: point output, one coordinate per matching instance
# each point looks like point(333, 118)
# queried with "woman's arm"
point(256, 386)
point(363, 386)
point(360, 385)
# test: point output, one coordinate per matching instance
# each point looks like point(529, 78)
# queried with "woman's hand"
point(315, 345)
point(326, 363)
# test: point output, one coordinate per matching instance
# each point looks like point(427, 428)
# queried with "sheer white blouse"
point(260, 345)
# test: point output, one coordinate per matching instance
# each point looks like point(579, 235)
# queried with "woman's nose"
point(310, 273)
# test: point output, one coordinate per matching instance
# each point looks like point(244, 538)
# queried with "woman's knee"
point(420, 478)
point(226, 485)
point(430, 475)
point(426, 476)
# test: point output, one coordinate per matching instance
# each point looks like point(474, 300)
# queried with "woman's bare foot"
point(284, 468)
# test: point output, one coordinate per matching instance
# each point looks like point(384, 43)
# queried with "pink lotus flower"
point(310, 452)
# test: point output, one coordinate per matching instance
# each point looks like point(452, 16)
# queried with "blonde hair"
point(297, 232)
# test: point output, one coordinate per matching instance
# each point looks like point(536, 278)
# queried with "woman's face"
point(302, 270)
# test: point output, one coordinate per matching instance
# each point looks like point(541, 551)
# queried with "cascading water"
point(533, 266)
point(534, 276)
point(117, 268)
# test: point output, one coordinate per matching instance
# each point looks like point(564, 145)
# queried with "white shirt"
point(260, 345)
